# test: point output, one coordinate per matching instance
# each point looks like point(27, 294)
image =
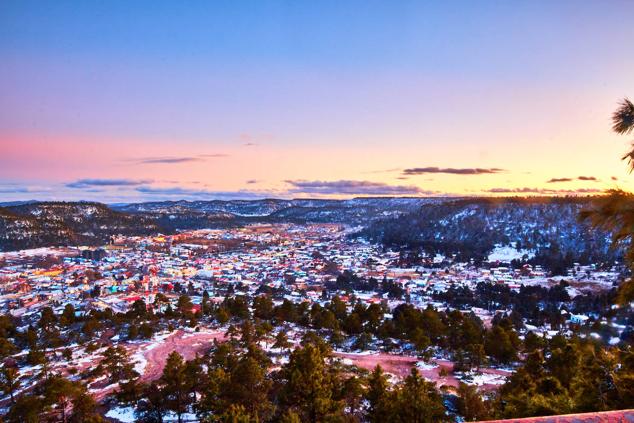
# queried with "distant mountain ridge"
point(469, 227)
point(267, 207)
point(33, 224)
point(17, 203)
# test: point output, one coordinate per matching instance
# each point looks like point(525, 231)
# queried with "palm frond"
point(614, 213)
point(623, 118)
point(629, 157)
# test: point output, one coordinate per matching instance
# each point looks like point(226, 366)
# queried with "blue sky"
point(326, 91)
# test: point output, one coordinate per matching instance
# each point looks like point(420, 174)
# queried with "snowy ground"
point(480, 379)
point(421, 365)
point(43, 251)
point(508, 253)
point(126, 415)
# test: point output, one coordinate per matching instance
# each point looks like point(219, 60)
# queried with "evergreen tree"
point(85, 410)
point(470, 404)
point(175, 385)
point(234, 414)
point(263, 307)
point(378, 396)
point(308, 385)
point(27, 409)
point(63, 394)
point(9, 381)
point(48, 319)
point(248, 386)
point(417, 401)
point(116, 363)
point(498, 344)
point(152, 407)
point(68, 316)
point(184, 306)
point(290, 417)
point(281, 341)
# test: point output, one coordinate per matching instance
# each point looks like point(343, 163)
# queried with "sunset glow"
point(129, 102)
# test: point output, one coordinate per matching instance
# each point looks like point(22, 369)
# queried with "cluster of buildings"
point(296, 260)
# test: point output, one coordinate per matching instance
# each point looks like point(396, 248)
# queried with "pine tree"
point(352, 395)
point(290, 417)
point(222, 315)
point(62, 393)
point(417, 401)
point(210, 402)
point(281, 341)
point(68, 316)
point(249, 387)
point(263, 307)
point(184, 306)
point(27, 409)
point(47, 319)
point(175, 385)
point(85, 410)
point(498, 344)
point(470, 404)
point(378, 396)
point(6, 347)
point(152, 406)
point(307, 385)
point(9, 381)
point(205, 307)
point(159, 301)
point(116, 362)
point(235, 414)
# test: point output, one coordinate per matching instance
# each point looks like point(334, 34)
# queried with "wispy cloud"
point(557, 180)
point(168, 190)
point(176, 159)
point(90, 183)
point(347, 187)
point(578, 178)
point(543, 191)
point(214, 155)
point(170, 160)
point(252, 181)
point(13, 190)
point(451, 170)
point(252, 140)
point(394, 169)
point(182, 192)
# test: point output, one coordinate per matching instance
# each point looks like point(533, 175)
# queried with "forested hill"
point(546, 228)
point(355, 210)
point(471, 228)
point(58, 223)
point(36, 224)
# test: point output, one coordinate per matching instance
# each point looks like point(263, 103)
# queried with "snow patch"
point(479, 379)
point(426, 366)
point(508, 253)
point(123, 414)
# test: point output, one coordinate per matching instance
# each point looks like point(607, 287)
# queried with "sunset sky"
point(138, 101)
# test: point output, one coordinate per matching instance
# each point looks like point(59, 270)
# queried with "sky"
point(125, 101)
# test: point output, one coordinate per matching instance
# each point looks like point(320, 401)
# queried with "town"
point(291, 280)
